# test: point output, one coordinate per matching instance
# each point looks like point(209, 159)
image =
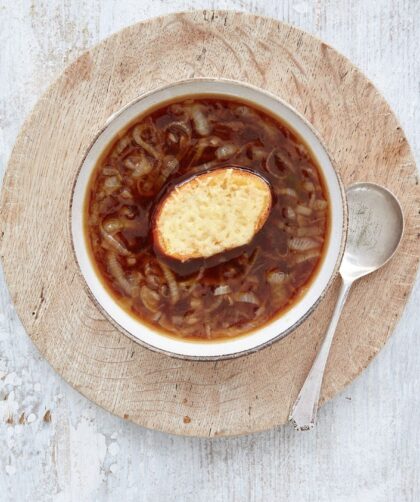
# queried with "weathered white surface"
point(366, 445)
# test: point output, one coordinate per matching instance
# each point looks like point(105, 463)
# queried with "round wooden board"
point(237, 396)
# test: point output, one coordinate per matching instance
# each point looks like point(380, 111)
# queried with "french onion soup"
point(206, 218)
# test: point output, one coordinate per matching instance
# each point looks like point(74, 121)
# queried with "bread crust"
point(190, 192)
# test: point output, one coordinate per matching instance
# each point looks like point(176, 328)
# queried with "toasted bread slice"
point(211, 213)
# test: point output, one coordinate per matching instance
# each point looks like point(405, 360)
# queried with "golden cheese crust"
point(211, 213)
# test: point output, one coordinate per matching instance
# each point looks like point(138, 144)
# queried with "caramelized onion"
point(170, 165)
point(114, 243)
point(150, 298)
point(223, 289)
point(308, 255)
point(179, 132)
point(320, 205)
point(117, 272)
point(139, 165)
point(201, 145)
point(120, 146)
point(226, 151)
point(110, 171)
point(138, 132)
point(245, 111)
point(126, 193)
point(200, 121)
point(278, 164)
point(112, 183)
point(171, 281)
point(303, 210)
point(112, 225)
point(290, 192)
point(146, 187)
point(179, 127)
point(246, 298)
point(302, 244)
point(258, 153)
point(276, 277)
point(290, 213)
point(308, 186)
point(215, 305)
point(311, 231)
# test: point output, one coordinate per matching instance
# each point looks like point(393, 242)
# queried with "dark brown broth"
point(231, 293)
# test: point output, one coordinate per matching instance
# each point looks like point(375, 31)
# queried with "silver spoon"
point(374, 232)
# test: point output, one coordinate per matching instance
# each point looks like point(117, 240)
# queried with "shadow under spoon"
point(374, 232)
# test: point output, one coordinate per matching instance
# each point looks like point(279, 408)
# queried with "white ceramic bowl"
point(279, 327)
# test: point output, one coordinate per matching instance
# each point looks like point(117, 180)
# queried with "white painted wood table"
point(366, 445)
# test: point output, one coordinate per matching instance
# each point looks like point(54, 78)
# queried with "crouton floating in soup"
point(260, 245)
point(211, 213)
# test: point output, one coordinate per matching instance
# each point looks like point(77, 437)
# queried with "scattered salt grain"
point(113, 449)
point(31, 418)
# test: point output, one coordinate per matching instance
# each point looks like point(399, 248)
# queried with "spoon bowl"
point(375, 229)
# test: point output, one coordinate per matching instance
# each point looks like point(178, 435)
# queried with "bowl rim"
point(274, 338)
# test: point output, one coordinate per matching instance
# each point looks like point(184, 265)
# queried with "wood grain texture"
point(196, 398)
point(366, 444)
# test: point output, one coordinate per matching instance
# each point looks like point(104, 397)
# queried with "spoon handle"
point(305, 409)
